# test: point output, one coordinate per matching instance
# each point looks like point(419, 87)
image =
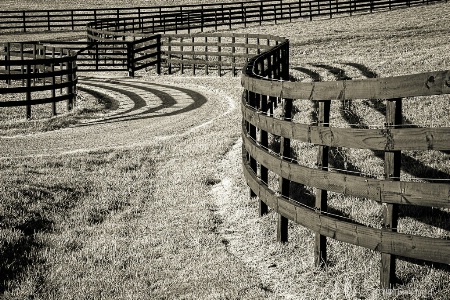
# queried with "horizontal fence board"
point(396, 192)
point(373, 139)
point(425, 84)
point(412, 246)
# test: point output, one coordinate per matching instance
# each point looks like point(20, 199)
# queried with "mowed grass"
point(173, 220)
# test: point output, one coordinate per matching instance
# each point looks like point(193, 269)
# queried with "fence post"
point(264, 141)
point(244, 15)
point(28, 99)
point(48, 20)
point(233, 56)
point(320, 247)
point(300, 8)
point(285, 152)
point(285, 146)
point(193, 54)
point(70, 90)
point(53, 82)
point(331, 10)
point(310, 11)
point(219, 52)
point(260, 13)
point(130, 58)
point(71, 18)
point(169, 50)
point(251, 100)
point(275, 13)
point(392, 164)
point(206, 56)
point(158, 57)
point(202, 17)
point(24, 22)
point(182, 56)
point(8, 60)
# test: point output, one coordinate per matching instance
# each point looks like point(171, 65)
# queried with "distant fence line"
point(170, 18)
point(266, 83)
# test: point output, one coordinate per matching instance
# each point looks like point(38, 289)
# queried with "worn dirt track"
point(144, 111)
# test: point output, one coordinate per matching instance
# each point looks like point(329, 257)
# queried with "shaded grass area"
point(41, 199)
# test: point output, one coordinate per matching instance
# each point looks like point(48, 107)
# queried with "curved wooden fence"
point(36, 74)
point(265, 83)
point(126, 39)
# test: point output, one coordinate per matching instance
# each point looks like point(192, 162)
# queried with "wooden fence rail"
point(170, 18)
point(265, 82)
point(36, 74)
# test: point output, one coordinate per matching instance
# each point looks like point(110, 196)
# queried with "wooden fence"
point(125, 39)
point(218, 52)
point(266, 84)
point(36, 74)
point(170, 18)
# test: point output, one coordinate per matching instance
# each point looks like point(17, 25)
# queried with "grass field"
point(172, 219)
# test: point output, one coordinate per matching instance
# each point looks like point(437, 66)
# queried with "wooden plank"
point(423, 84)
point(373, 139)
point(412, 193)
point(405, 245)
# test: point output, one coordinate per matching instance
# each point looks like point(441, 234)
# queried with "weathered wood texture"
point(412, 246)
point(263, 76)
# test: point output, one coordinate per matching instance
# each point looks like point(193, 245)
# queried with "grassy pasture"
point(173, 220)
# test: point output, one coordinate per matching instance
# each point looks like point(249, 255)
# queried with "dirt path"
point(145, 111)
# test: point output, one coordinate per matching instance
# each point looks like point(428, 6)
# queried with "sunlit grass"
point(173, 219)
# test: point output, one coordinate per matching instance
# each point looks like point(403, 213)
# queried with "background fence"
point(36, 74)
point(265, 82)
point(170, 18)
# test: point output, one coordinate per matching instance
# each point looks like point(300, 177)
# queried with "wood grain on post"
point(252, 132)
point(320, 248)
point(392, 164)
point(285, 152)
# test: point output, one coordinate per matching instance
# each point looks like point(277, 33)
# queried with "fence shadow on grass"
point(410, 165)
point(166, 98)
